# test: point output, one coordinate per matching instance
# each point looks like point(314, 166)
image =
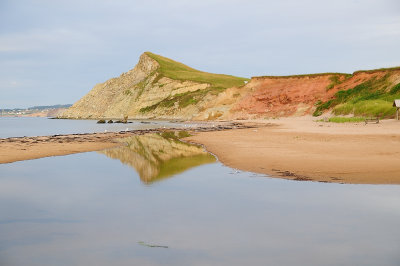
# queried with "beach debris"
point(234, 172)
point(293, 176)
point(125, 119)
point(150, 245)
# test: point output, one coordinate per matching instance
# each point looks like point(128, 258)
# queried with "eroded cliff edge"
point(156, 88)
point(161, 88)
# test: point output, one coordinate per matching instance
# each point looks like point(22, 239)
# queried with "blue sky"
point(54, 52)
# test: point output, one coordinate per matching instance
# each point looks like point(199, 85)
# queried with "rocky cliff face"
point(285, 96)
point(161, 88)
point(143, 93)
point(365, 93)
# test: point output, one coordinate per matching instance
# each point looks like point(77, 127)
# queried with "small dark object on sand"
point(151, 246)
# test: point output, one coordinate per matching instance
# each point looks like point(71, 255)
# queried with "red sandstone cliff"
point(298, 95)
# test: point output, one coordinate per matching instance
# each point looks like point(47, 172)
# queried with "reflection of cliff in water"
point(155, 157)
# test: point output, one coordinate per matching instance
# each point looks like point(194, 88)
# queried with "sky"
point(54, 52)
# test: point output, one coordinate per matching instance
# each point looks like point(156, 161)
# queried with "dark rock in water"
point(118, 121)
point(110, 121)
point(101, 121)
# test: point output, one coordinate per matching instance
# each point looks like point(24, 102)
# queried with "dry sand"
point(301, 149)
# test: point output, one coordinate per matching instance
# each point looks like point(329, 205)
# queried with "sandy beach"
point(302, 149)
point(27, 148)
point(292, 148)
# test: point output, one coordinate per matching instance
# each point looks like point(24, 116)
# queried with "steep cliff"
point(157, 87)
point(286, 95)
point(161, 88)
point(363, 93)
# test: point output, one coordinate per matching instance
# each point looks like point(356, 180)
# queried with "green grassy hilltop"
point(178, 71)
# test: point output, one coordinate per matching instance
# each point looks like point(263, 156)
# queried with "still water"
point(158, 201)
point(42, 126)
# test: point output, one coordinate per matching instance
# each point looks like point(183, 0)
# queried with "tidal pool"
point(106, 208)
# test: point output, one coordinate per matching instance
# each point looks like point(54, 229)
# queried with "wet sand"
point(291, 148)
point(26, 148)
point(301, 149)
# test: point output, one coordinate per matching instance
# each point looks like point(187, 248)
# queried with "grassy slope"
point(373, 97)
point(341, 119)
point(377, 70)
point(305, 75)
point(178, 71)
point(183, 99)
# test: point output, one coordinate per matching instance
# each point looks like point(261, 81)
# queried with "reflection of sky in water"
point(86, 209)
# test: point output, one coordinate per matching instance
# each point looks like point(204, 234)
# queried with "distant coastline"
point(35, 111)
